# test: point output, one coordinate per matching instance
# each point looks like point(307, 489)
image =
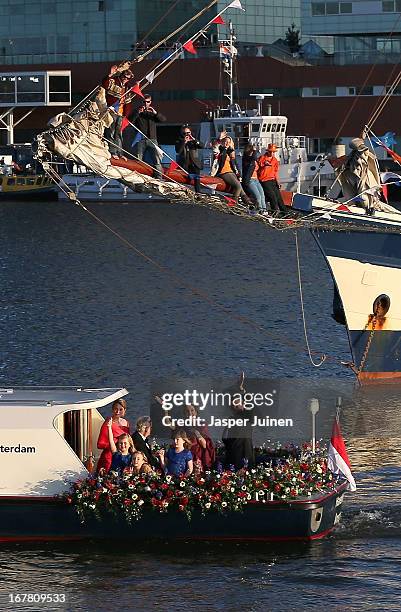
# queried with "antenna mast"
point(227, 55)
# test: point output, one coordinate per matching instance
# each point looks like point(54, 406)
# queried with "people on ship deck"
point(119, 426)
point(268, 169)
point(186, 148)
point(227, 168)
point(250, 181)
point(121, 452)
point(145, 119)
point(118, 97)
point(178, 460)
point(141, 440)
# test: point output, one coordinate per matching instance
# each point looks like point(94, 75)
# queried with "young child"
point(178, 460)
point(122, 452)
point(140, 464)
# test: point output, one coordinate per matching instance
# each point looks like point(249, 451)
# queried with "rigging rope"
point(323, 357)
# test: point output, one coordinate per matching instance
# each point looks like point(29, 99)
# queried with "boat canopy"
point(36, 458)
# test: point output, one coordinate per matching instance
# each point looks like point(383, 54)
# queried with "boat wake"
point(368, 523)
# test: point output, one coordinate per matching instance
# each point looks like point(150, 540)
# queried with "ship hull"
point(35, 519)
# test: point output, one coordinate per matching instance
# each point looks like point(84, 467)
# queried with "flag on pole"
point(236, 4)
point(138, 138)
point(124, 123)
point(150, 77)
point(219, 20)
point(136, 89)
point(338, 461)
point(189, 46)
point(387, 140)
point(173, 166)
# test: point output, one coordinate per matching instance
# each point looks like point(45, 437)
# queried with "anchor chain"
point(367, 347)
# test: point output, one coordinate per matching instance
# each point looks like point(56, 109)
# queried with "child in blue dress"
point(122, 452)
point(178, 460)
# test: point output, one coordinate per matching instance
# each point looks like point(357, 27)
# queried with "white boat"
point(297, 171)
point(89, 187)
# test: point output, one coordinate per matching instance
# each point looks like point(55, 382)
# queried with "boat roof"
point(67, 398)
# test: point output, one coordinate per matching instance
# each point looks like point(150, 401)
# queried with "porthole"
point(381, 305)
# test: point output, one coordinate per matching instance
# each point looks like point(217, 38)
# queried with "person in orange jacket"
point(268, 177)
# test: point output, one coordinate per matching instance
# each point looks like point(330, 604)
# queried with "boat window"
point(274, 127)
point(30, 181)
point(278, 127)
point(80, 429)
point(39, 180)
point(20, 181)
point(283, 127)
point(264, 126)
point(381, 305)
point(255, 127)
point(11, 181)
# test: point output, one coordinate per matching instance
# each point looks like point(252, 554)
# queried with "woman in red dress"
point(119, 426)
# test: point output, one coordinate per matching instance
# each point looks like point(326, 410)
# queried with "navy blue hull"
point(384, 352)
point(27, 520)
point(380, 249)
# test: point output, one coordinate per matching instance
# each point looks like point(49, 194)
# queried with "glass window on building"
point(364, 91)
point(345, 7)
point(318, 8)
point(388, 6)
point(327, 90)
point(332, 8)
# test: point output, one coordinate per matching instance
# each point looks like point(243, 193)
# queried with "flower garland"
point(298, 474)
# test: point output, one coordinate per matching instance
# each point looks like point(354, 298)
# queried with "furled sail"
point(360, 179)
point(79, 137)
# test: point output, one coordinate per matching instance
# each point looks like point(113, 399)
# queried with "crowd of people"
point(191, 450)
point(257, 185)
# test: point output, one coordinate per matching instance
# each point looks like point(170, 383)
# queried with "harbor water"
point(193, 294)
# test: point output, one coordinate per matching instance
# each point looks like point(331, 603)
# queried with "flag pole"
point(314, 408)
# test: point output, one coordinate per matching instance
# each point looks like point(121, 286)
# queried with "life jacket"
point(268, 168)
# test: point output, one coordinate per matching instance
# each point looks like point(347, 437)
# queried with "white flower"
point(168, 478)
point(223, 504)
point(207, 505)
point(182, 484)
point(147, 489)
point(134, 496)
point(243, 487)
point(261, 493)
point(232, 489)
point(93, 506)
point(249, 496)
point(140, 502)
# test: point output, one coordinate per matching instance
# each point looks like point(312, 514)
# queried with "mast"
point(227, 54)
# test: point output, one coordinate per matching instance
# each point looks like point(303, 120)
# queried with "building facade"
point(363, 30)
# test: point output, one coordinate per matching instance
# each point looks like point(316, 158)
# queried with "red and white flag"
point(337, 458)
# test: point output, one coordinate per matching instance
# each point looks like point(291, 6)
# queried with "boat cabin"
point(48, 437)
point(261, 130)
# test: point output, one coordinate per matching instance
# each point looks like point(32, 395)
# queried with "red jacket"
point(268, 168)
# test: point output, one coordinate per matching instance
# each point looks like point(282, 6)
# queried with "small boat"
point(22, 185)
point(47, 439)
